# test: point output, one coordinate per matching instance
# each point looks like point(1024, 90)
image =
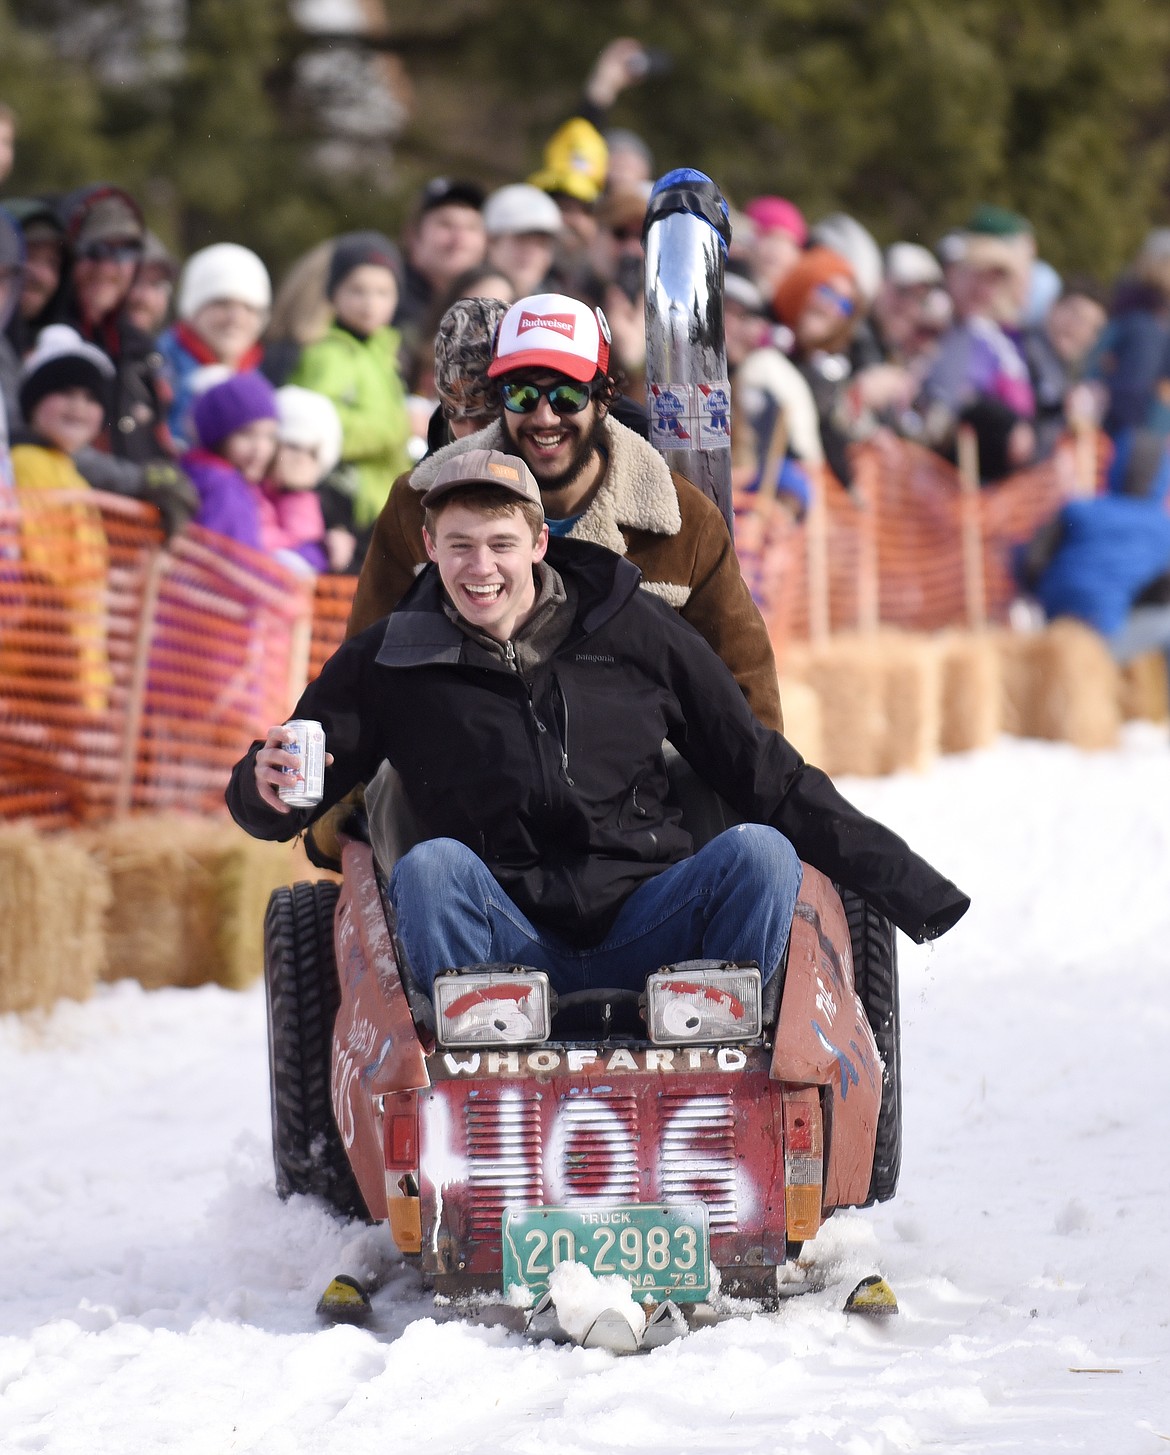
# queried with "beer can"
point(306, 785)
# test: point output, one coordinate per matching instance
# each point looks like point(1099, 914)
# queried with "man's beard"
point(582, 455)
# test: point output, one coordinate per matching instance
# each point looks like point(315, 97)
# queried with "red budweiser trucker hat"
point(551, 331)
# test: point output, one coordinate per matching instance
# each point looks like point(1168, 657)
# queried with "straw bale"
point(1017, 652)
point(913, 696)
point(850, 689)
point(879, 700)
point(189, 898)
point(53, 901)
point(802, 719)
point(972, 691)
point(1145, 693)
point(1078, 695)
point(1060, 684)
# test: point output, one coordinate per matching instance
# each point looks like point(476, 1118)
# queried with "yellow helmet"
point(576, 160)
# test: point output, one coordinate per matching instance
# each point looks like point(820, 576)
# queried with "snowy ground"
point(155, 1295)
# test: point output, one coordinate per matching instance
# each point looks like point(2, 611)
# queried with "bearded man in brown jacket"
point(599, 482)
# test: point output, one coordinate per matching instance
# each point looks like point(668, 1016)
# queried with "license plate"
point(664, 1252)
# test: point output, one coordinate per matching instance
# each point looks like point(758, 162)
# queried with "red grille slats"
point(504, 1142)
point(697, 1157)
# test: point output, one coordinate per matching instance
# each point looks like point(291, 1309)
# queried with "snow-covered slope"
point(155, 1295)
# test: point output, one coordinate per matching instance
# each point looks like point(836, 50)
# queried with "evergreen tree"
point(904, 112)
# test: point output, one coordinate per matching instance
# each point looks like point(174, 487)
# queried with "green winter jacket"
point(363, 381)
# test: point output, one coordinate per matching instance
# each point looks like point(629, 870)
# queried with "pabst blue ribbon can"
point(306, 785)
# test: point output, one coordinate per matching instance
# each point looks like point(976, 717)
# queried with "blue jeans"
point(733, 900)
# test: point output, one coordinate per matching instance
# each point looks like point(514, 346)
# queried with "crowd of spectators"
point(283, 417)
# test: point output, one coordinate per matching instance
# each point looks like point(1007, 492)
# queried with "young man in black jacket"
point(522, 690)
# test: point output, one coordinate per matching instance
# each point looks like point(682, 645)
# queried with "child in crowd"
point(235, 422)
point(356, 366)
point(292, 526)
point(223, 305)
point(65, 387)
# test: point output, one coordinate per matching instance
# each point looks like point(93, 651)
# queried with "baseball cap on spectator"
point(520, 208)
point(485, 467)
point(223, 271)
point(63, 360)
point(620, 139)
point(37, 219)
point(777, 214)
point(552, 331)
point(358, 250)
point(310, 420)
point(909, 265)
point(463, 351)
point(102, 213)
point(229, 406)
point(997, 221)
point(819, 265)
point(156, 255)
point(576, 160)
point(445, 191)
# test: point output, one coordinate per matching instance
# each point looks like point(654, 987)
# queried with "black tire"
point(300, 978)
point(875, 976)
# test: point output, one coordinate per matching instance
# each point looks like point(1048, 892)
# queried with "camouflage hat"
point(463, 351)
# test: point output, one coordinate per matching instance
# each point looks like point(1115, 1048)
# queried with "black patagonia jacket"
point(557, 781)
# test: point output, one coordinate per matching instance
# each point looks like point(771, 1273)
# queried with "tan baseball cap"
point(485, 467)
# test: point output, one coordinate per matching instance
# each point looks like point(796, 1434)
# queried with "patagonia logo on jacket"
point(594, 657)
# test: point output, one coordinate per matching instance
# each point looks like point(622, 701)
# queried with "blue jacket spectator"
point(1098, 557)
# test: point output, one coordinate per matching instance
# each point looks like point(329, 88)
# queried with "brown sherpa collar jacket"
point(665, 525)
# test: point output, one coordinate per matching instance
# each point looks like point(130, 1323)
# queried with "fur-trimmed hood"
point(637, 491)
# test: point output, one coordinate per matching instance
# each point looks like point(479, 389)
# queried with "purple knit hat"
point(229, 406)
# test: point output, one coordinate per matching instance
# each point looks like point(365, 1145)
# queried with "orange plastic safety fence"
point(133, 675)
point(894, 548)
point(774, 553)
point(332, 601)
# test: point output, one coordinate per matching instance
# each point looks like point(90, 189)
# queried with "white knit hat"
point(310, 420)
point(224, 270)
point(520, 208)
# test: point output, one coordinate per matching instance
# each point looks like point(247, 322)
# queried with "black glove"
point(167, 488)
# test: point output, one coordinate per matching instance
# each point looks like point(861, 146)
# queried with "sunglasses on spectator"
point(839, 300)
point(115, 250)
point(564, 398)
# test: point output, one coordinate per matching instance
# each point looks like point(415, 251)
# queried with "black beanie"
point(361, 249)
point(55, 375)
